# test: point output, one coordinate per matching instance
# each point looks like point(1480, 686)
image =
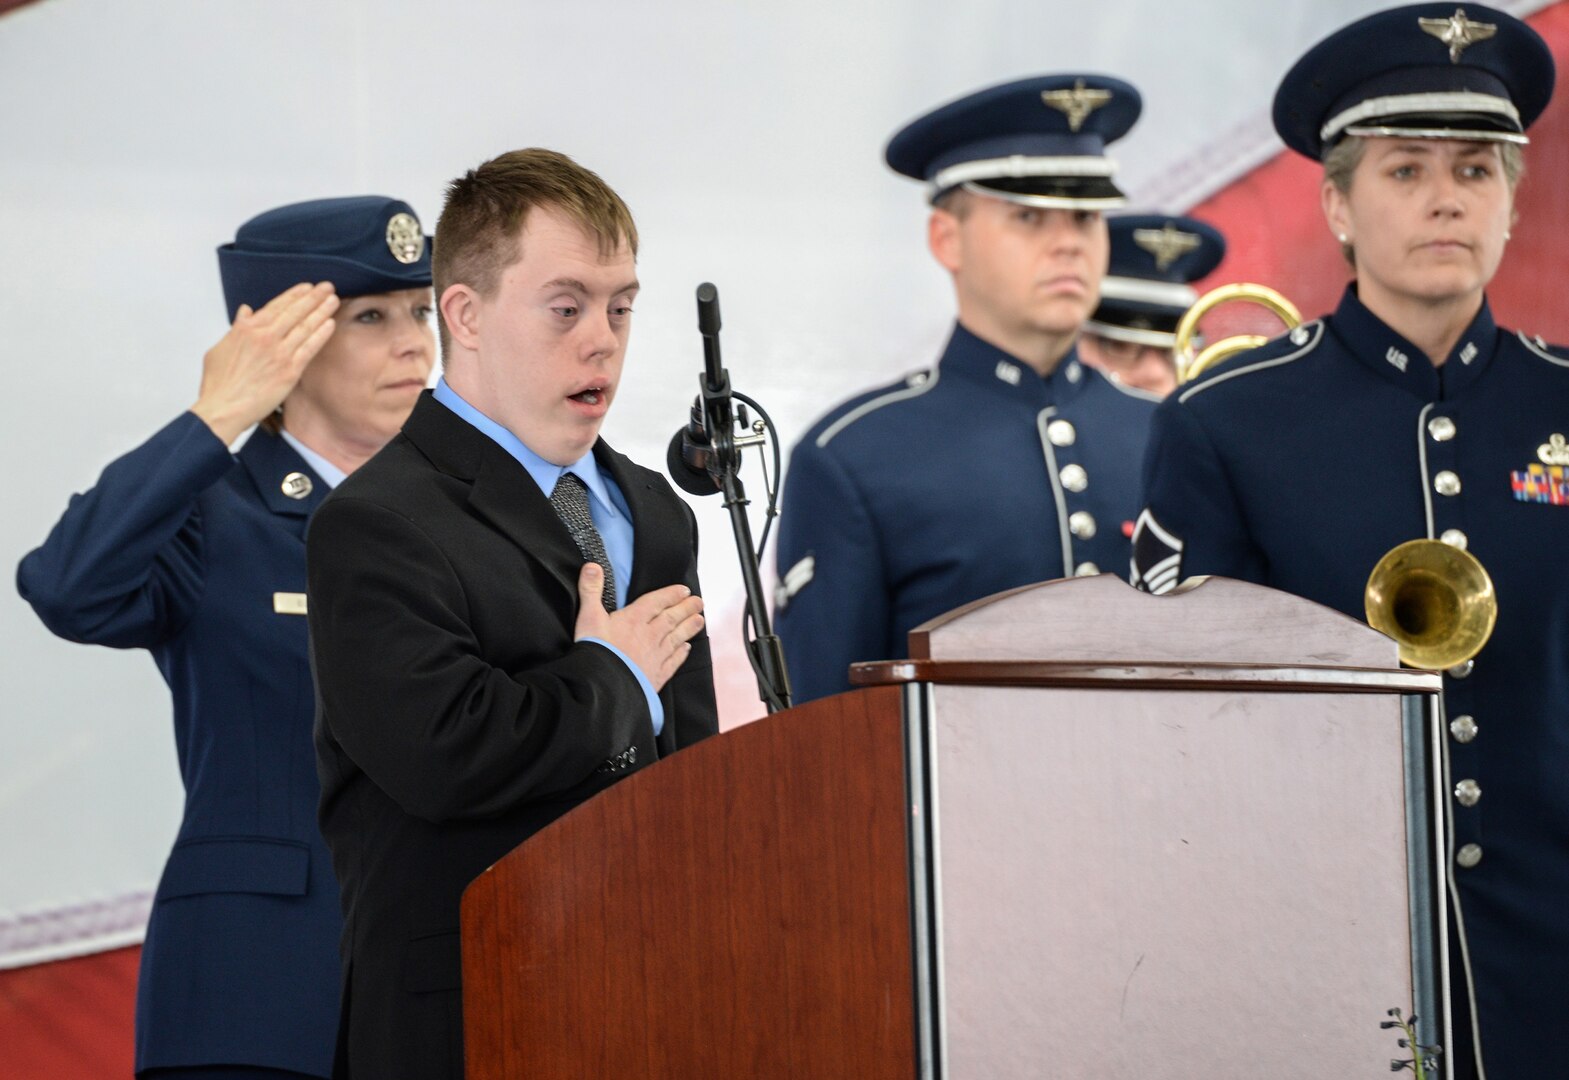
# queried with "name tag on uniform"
point(288, 603)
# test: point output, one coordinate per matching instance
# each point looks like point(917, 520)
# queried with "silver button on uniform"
point(1061, 433)
point(1441, 428)
point(1462, 670)
point(1469, 855)
point(1446, 483)
point(1468, 792)
point(1086, 569)
point(1455, 538)
point(1082, 523)
point(1074, 478)
point(1463, 728)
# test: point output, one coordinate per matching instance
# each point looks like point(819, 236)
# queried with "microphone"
point(692, 460)
point(687, 460)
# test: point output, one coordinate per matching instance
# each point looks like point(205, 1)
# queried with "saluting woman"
point(197, 554)
point(1408, 414)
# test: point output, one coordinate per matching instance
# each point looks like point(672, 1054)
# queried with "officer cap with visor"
point(1155, 258)
point(363, 244)
point(1039, 141)
point(1423, 71)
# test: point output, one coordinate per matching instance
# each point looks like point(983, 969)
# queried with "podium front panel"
point(1136, 884)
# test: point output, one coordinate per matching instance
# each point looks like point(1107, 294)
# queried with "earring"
point(1508, 234)
point(1342, 238)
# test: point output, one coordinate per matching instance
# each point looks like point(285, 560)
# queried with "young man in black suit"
point(504, 611)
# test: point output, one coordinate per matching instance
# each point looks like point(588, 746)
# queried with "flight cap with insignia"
point(1423, 71)
point(1155, 258)
point(1039, 141)
point(362, 244)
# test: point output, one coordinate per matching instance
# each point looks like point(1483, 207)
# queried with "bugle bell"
point(1190, 366)
point(1435, 600)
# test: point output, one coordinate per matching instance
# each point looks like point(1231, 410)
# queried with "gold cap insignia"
point(1555, 451)
point(297, 485)
point(1167, 244)
point(405, 238)
point(1077, 103)
point(1458, 32)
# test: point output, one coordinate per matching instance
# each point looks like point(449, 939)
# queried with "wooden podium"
point(1083, 832)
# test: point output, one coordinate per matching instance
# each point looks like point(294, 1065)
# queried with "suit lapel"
point(505, 495)
point(270, 461)
point(502, 492)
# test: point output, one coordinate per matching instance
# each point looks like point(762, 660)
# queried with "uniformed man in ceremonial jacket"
point(1009, 462)
point(1155, 258)
point(1407, 414)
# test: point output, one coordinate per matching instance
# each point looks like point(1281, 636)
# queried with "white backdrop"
point(746, 136)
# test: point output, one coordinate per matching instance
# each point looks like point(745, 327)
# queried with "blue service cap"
point(1039, 141)
point(1423, 71)
point(1155, 258)
point(362, 244)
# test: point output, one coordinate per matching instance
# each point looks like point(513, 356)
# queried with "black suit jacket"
point(456, 715)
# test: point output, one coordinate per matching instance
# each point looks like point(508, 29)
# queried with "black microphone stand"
point(724, 465)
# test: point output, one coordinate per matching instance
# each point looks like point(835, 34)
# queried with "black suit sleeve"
point(691, 711)
point(407, 695)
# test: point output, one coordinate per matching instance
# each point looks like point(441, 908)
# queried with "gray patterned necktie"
point(571, 502)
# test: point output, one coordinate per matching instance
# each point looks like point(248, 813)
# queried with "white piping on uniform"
point(1543, 353)
point(1421, 452)
point(1024, 167)
point(1456, 101)
point(1318, 335)
point(1049, 202)
point(1168, 293)
point(1056, 489)
point(1438, 133)
point(932, 375)
point(1454, 891)
point(1160, 339)
point(1131, 391)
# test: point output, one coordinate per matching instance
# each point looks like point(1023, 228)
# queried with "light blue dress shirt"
point(607, 508)
point(330, 474)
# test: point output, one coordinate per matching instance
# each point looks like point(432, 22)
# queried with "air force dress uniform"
point(977, 475)
point(1299, 464)
point(198, 556)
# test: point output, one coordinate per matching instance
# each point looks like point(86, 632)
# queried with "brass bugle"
point(1189, 366)
point(1435, 600)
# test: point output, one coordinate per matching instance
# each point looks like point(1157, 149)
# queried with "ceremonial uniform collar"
point(1372, 342)
point(971, 358)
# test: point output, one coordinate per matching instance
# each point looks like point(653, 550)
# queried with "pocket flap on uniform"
point(433, 962)
point(236, 865)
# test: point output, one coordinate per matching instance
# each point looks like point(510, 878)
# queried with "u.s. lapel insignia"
point(1167, 244)
point(1458, 32)
point(1555, 451)
point(1076, 104)
point(288, 603)
point(297, 485)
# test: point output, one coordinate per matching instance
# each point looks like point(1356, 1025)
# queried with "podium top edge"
point(1154, 675)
